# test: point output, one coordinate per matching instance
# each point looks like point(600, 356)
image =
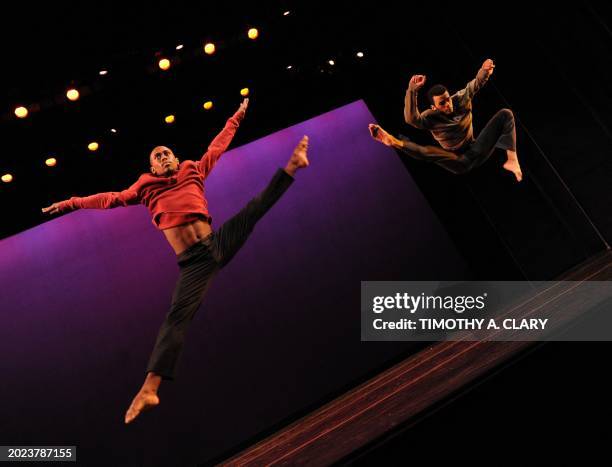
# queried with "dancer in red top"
point(173, 193)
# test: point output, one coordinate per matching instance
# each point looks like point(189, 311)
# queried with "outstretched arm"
point(222, 140)
point(412, 116)
point(477, 83)
point(107, 200)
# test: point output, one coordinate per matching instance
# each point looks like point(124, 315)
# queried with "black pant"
point(198, 264)
point(500, 132)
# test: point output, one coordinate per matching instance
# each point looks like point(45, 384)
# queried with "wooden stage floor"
point(400, 395)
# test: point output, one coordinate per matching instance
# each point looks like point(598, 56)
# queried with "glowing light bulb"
point(164, 64)
point(72, 94)
point(21, 112)
point(208, 105)
point(253, 33)
point(93, 146)
point(210, 48)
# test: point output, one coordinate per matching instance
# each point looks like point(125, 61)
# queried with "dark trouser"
point(198, 264)
point(500, 133)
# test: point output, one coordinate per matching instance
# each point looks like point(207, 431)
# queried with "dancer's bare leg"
point(146, 398)
point(299, 158)
point(512, 165)
point(409, 147)
point(382, 136)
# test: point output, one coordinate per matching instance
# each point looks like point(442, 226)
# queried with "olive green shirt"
point(452, 131)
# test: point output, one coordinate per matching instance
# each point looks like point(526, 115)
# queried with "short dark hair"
point(435, 90)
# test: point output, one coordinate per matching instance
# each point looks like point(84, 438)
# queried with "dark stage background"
point(553, 70)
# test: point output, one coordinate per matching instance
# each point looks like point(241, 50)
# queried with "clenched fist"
point(488, 66)
point(417, 82)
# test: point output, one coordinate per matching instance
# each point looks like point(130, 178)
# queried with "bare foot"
point(144, 400)
point(380, 135)
point(299, 158)
point(512, 165)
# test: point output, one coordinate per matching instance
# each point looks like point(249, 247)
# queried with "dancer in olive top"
point(450, 122)
point(173, 192)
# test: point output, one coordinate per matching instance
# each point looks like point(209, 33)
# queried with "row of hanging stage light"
point(164, 64)
point(170, 119)
point(209, 49)
point(72, 94)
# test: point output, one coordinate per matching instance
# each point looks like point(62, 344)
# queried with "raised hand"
point(417, 82)
point(488, 66)
point(243, 106)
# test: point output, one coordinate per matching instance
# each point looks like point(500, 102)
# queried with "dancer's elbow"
point(416, 123)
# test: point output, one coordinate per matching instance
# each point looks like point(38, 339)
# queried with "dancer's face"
point(443, 103)
point(163, 161)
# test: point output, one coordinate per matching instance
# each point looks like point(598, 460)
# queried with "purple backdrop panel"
point(83, 296)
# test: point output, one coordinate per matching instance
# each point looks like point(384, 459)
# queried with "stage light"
point(7, 178)
point(360, 54)
point(113, 130)
point(164, 64)
point(286, 13)
point(209, 48)
point(51, 162)
point(244, 92)
point(208, 105)
point(253, 33)
point(21, 112)
point(103, 72)
point(289, 67)
point(93, 146)
point(169, 119)
point(331, 62)
point(72, 94)
point(179, 47)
